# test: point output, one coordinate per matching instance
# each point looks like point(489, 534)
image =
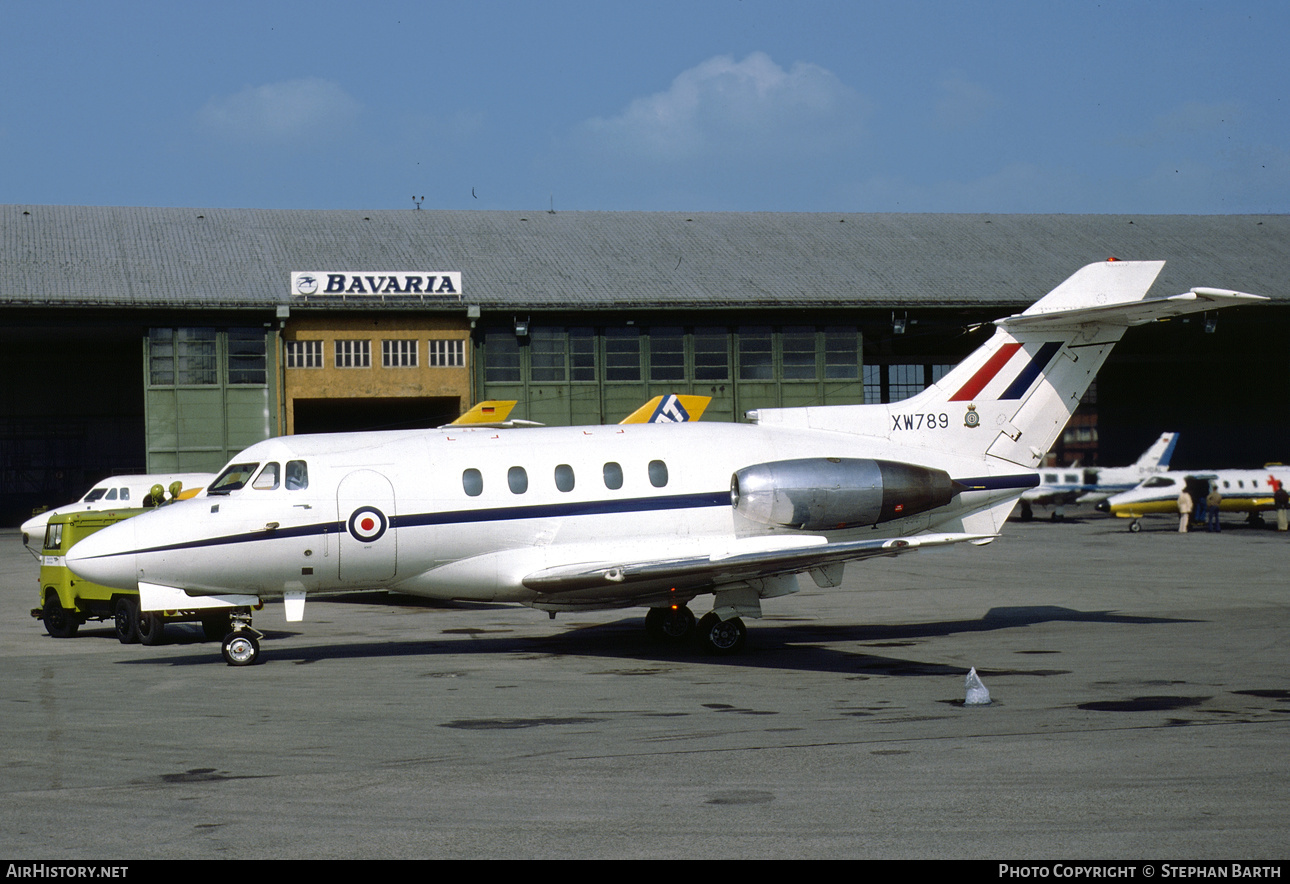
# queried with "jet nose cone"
point(1103, 506)
point(106, 557)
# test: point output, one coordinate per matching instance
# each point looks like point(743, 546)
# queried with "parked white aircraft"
point(1060, 486)
point(112, 493)
point(580, 518)
point(1244, 491)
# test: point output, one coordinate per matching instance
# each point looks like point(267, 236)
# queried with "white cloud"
point(750, 109)
point(962, 104)
point(293, 110)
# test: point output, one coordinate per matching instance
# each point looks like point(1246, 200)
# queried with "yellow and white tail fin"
point(675, 408)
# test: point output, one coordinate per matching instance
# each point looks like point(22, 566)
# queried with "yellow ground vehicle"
point(66, 601)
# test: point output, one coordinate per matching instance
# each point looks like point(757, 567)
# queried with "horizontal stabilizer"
point(1129, 313)
point(711, 570)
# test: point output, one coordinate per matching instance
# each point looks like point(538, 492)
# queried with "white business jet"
point(584, 518)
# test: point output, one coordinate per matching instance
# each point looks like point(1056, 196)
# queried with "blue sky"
point(707, 105)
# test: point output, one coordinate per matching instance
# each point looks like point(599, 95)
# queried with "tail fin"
point(1157, 457)
point(675, 408)
point(1012, 397)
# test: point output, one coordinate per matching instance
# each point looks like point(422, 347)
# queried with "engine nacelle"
point(823, 493)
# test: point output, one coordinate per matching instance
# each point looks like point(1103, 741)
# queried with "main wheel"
point(125, 616)
point(1134, 526)
point(722, 637)
point(59, 622)
point(672, 624)
point(240, 649)
point(152, 628)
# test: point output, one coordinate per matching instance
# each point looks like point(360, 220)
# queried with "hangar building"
point(155, 339)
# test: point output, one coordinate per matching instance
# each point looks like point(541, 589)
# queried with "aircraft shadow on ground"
point(772, 644)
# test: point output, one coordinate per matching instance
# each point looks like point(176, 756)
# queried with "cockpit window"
point(1157, 482)
point(297, 475)
point(268, 478)
point(111, 495)
point(232, 478)
point(95, 495)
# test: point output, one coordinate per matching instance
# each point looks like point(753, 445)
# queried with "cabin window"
point(472, 482)
point(1050, 478)
point(268, 478)
point(297, 475)
point(657, 473)
point(564, 477)
point(125, 493)
point(517, 479)
point(613, 476)
point(233, 478)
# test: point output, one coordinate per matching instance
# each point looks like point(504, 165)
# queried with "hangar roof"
point(240, 258)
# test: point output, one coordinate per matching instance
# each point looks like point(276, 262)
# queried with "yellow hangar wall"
point(362, 372)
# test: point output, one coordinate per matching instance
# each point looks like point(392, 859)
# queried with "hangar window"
point(756, 356)
point(904, 381)
point(613, 476)
point(667, 354)
point(547, 347)
point(798, 345)
point(582, 354)
point(564, 477)
point(472, 482)
point(501, 357)
point(447, 353)
point(304, 354)
point(182, 357)
point(353, 354)
point(398, 354)
point(246, 356)
point(622, 354)
point(841, 353)
point(711, 354)
point(517, 479)
point(657, 473)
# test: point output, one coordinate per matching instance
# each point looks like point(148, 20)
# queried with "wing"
point(625, 581)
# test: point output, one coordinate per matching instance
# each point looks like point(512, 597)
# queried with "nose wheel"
point(241, 647)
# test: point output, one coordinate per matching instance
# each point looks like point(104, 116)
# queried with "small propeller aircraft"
point(639, 515)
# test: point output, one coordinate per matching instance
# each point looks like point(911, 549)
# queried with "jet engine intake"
point(823, 493)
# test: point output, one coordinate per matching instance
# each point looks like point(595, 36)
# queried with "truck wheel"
point(59, 622)
point(126, 617)
point(151, 628)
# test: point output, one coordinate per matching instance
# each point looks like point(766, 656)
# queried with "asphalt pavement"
point(1140, 688)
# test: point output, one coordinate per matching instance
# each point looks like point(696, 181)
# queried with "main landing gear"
point(241, 646)
point(675, 624)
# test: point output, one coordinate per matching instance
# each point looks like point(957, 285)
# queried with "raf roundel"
point(367, 523)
